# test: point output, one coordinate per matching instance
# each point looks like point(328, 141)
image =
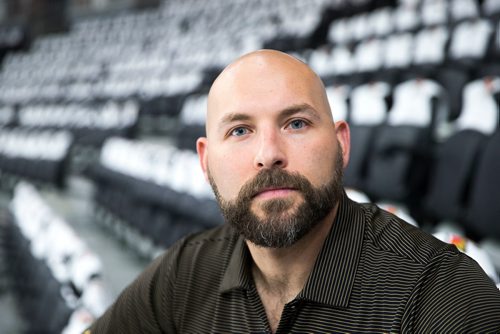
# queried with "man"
point(296, 255)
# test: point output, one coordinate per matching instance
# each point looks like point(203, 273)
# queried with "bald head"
point(251, 80)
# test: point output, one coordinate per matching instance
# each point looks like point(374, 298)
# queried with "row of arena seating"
point(470, 41)
point(355, 45)
point(109, 115)
point(88, 123)
point(424, 105)
point(433, 9)
point(145, 49)
point(55, 277)
point(414, 124)
point(407, 16)
point(154, 199)
point(459, 202)
point(37, 155)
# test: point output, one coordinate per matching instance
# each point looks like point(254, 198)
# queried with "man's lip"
point(266, 190)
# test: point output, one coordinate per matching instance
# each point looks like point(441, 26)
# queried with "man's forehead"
point(256, 75)
point(259, 62)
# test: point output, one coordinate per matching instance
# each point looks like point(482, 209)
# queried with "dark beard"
point(281, 226)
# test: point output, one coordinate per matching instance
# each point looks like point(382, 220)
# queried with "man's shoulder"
point(212, 240)
point(196, 250)
point(390, 233)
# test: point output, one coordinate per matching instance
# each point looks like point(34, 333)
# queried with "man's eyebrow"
point(292, 110)
point(287, 112)
point(234, 117)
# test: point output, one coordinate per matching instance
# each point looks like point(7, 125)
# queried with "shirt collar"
point(237, 273)
point(333, 274)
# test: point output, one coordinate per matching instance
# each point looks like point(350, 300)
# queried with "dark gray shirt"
point(374, 274)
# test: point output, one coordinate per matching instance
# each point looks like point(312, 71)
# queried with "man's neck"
point(287, 269)
point(280, 274)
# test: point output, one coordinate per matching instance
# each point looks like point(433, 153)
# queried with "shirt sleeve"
point(453, 295)
point(143, 306)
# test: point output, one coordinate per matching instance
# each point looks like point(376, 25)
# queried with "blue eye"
point(297, 124)
point(238, 132)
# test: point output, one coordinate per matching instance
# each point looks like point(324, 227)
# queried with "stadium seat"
point(381, 21)
point(399, 162)
point(483, 209)
point(464, 9)
point(369, 55)
point(470, 41)
point(399, 51)
point(339, 32)
point(406, 16)
point(481, 105)
point(455, 161)
point(430, 46)
point(339, 99)
point(369, 107)
point(434, 12)
point(321, 61)
point(491, 8)
point(343, 61)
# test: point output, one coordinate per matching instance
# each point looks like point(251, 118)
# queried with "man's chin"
point(277, 204)
point(275, 209)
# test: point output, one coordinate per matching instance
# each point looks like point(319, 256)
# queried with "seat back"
point(430, 45)
point(470, 40)
point(399, 164)
point(454, 164)
point(480, 109)
point(361, 146)
point(369, 55)
point(484, 210)
point(397, 167)
point(406, 16)
point(416, 103)
point(464, 9)
point(368, 110)
point(434, 12)
point(399, 51)
point(338, 98)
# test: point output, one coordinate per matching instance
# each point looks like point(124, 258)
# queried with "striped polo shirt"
point(374, 274)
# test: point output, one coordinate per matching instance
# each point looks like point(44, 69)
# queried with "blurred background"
point(101, 102)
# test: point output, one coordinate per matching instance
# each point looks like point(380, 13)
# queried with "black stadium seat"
point(399, 163)
point(362, 139)
point(400, 158)
point(454, 163)
point(369, 107)
point(484, 209)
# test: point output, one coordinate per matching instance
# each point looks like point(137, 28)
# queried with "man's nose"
point(270, 151)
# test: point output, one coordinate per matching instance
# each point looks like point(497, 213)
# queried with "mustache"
point(273, 178)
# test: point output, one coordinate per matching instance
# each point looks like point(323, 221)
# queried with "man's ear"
point(344, 139)
point(202, 148)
